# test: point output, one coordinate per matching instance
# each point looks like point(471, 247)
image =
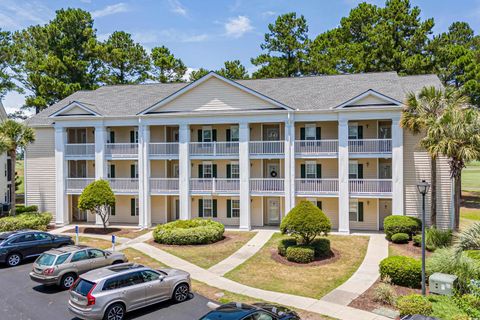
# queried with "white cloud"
point(269, 13)
point(177, 7)
point(237, 27)
point(109, 10)
point(103, 36)
point(159, 37)
point(14, 16)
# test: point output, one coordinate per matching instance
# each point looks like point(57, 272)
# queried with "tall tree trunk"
point(13, 159)
point(457, 199)
point(433, 203)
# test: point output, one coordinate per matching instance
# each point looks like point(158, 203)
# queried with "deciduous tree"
point(98, 198)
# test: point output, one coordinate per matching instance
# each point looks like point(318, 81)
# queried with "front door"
point(271, 133)
point(384, 210)
point(385, 170)
point(273, 211)
point(273, 170)
point(77, 214)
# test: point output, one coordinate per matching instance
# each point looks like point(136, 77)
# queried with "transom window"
point(353, 210)
point(207, 135)
point(311, 170)
point(353, 169)
point(235, 208)
point(234, 133)
point(353, 131)
point(310, 131)
point(207, 208)
point(207, 170)
point(235, 170)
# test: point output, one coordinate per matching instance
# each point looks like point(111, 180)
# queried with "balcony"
point(370, 187)
point(121, 150)
point(163, 150)
point(267, 185)
point(79, 150)
point(316, 186)
point(214, 149)
point(267, 148)
point(215, 185)
point(370, 147)
point(76, 185)
point(164, 185)
point(124, 185)
point(316, 148)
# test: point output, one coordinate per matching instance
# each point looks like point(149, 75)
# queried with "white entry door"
point(273, 211)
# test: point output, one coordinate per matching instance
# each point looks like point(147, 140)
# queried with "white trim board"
point(71, 105)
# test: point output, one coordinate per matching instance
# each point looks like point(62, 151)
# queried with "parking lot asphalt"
point(23, 299)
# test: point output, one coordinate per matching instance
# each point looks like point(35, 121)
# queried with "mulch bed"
point(334, 256)
point(93, 230)
point(409, 249)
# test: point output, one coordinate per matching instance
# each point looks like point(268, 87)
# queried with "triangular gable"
point(369, 98)
point(213, 92)
point(74, 108)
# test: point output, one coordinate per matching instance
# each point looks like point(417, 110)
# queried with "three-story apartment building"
point(240, 152)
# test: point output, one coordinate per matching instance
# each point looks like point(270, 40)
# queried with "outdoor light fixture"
point(423, 190)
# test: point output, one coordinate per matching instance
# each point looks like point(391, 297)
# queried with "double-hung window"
point(310, 170)
point(353, 131)
point(310, 131)
point(234, 133)
point(207, 207)
point(235, 208)
point(207, 170)
point(353, 169)
point(355, 210)
point(207, 135)
point(235, 170)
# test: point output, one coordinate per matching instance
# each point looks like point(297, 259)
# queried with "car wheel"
point(68, 280)
point(115, 312)
point(14, 259)
point(181, 292)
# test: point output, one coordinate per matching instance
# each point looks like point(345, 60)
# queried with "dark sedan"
point(18, 245)
point(257, 311)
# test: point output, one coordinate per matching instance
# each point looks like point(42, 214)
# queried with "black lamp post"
point(423, 189)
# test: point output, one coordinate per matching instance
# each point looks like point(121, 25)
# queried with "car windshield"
point(232, 314)
point(46, 259)
point(83, 287)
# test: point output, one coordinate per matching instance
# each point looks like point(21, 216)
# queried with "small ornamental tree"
point(306, 221)
point(98, 198)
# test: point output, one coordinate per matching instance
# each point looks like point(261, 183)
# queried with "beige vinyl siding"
point(122, 134)
point(329, 129)
point(329, 167)
point(122, 210)
point(160, 206)
point(370, 215)
point(369, 167)
point(220, 128)
point(157, 168)
point(416, 168)
point(215, 95)
point(76, 111)
point(122, 167)
point(369, 128)
point(221, 210)
point(40, 170)
point(256, 211)
point(369, 100)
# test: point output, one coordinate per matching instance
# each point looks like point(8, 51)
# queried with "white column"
point(244, 166)
point(289, 165)
point(184, 171)
point(100, 163)
point(343, 181)
point(61, 200)
point(144, 208)
point(397, 168)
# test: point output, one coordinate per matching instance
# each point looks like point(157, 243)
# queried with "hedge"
point(23, 209)
point(36, 221)
point(400, 238)
point(417, 240)
point(321, 247)
point(300, 254)
point(401, 224)
point(185, 232)
point(284, 244)
point(414, 304)
point(403, 271)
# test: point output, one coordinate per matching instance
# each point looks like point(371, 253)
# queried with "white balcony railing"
point(267, 147)
point(163, 149)
point(124, 184)
point(214, 148)
point(370, 186)
point(370, 146)
point(316, 147)
point(78, 184)
point(121, 149)
point(267, 185)
point(80, 149)
point(308, 186)
point(215, 185)
point(163, 184)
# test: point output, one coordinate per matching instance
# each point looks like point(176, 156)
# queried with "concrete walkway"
point(309, 304)
point(243, 254)
point(365, 276)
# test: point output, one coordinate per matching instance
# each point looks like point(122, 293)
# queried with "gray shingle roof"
point(302, 93)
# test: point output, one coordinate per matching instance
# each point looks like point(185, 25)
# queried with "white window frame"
point(137, 207)
point(353, 164)
point(204, 130)
point(235, 209)
point(176, 170)
point(207, 164)
point(136, 170)
point(235, 174)
point(353, 126)
point(353, 204)
point(109, 171)
point(313, 128)
point(205, 208)
point(310, 175)
point(234, 137)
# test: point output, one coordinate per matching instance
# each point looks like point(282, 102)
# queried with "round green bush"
point(403, 271)
point(400, 238)
point(31, 220)
point(321, 247)
point(401, 224)
point(185, 232)
point(417, 240)
point(414, 304)
point(300, 254)
point(284, 244)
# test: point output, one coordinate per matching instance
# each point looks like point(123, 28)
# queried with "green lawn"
point(19, 169)
point(471, 177)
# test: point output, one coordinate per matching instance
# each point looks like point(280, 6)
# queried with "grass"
point(209, 255)
point(470, 210)
point(93, 242)
point(471, 177)
point(19, 168)
point(136, 256)
point(261, 271)
point(124, 233)
point(444, 307)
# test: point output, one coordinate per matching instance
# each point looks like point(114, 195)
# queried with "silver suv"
point(110, 292)
point(62, 266)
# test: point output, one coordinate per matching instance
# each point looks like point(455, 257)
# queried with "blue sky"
point(208, 32)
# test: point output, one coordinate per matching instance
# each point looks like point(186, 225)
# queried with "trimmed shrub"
point(284, 244)
point(185, 232)
point(401, 224)
point(321, 247)
point(20, 208)
point(403, 271)
point(306, 221)
point(36, 221)
point(300, 254)
point(470, 304)
point(417, 240)
point(384, 293)
point(400, 238)
point(414, 304)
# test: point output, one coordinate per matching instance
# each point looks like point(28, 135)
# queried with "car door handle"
point(124, 291)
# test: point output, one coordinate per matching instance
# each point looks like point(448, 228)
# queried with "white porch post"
point(244, 166)
point(61, 201)
point(184, 171)
point(100, 163)
point(397, 168)
point(343, 181)
point(289, 164)
point(144, 218)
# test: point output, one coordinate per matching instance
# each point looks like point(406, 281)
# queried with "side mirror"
point(161, 277)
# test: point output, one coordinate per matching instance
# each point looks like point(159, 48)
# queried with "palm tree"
point(420, 113)
point(14, 135)
point(468, 239)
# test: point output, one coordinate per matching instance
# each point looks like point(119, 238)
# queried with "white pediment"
point(74, 108)
point(369, 98)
